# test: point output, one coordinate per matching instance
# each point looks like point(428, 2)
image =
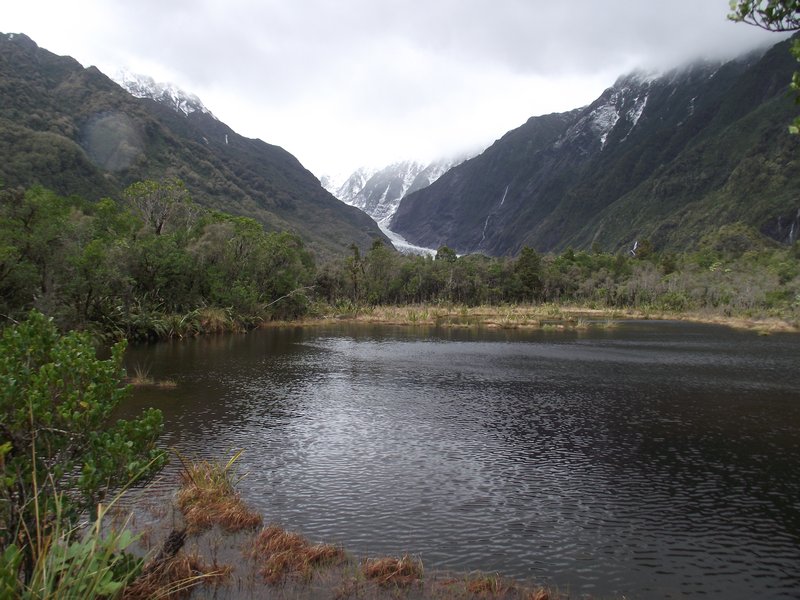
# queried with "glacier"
point(378, 192)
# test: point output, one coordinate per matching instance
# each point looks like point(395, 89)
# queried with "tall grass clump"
point(208, 496)
point(280, 553)
point(212, 319)
point(69, 563)
point(391, 571)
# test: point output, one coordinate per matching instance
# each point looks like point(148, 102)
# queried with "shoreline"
point(227, 550)
point(541, 316)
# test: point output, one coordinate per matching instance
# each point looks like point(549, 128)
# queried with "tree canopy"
point(773, 15)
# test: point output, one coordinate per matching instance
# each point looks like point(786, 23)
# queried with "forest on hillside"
point(156, 265)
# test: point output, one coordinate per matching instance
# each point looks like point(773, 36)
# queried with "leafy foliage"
point(775, 15)
point(62, 453)
point(112, 268)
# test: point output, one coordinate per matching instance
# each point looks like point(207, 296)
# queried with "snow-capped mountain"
point(143, 86)
point(347, 187)
point(109, 139)
point(666, 157)
point(378, 191)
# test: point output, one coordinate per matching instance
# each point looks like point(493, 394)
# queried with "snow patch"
point(637, 110)
point(143, 86)
point(603, 119)
point(379, 192)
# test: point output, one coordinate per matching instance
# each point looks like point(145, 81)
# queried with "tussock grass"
point(516, 316)
point(176, 577)
point(281, 553)
point(481, 586)
point(213, 320)
point(487, 586)
point(391, 571)
point(141, 376)
point(547, 316)
point(208, 497)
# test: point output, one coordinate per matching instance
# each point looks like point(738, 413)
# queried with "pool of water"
point(651, 459)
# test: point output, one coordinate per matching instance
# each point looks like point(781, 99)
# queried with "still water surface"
point(647, 460)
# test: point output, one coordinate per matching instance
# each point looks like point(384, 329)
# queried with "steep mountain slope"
point(668, 158)
point(75, 131)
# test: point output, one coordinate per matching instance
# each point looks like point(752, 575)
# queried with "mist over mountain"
point(72, 129)
point(665, 157)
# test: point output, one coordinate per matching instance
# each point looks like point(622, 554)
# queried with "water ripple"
point(655, 460)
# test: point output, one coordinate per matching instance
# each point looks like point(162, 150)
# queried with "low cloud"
point(345, 83)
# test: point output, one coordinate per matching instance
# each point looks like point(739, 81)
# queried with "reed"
point(212, 319)
point(176, 577)
point(141, 376)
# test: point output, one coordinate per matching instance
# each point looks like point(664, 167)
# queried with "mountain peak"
point(378, 191)
point(143, 86)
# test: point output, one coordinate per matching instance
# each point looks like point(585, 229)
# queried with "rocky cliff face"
point(665, 157)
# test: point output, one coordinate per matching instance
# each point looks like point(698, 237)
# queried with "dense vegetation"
point(154, 264)
point(60, 456)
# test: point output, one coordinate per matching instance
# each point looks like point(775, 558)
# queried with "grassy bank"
point(537, 316)
point(213, 545)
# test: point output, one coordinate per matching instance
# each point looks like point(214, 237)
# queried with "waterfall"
point(485, 225)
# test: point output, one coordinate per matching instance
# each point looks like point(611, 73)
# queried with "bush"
point(61, 454)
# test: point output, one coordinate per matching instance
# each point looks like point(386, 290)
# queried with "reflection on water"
point(650, 460)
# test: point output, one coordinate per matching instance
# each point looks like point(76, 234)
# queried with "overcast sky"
point(346, 83)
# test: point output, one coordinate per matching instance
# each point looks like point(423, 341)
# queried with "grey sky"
point(345, 83)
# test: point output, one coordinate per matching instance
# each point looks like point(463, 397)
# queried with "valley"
point(567, 360)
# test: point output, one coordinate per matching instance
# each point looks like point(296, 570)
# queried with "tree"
point(60, 454)
point(528, 272)
point(161, 203)
point(446, 254)
point(773, 15)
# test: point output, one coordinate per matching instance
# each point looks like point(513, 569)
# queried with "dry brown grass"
point(141, 378)
point(546, 316)
point(488, 586)
point(208, 497)
point(391, 571)
point(521, 316)
point(176, 577)
point(281, 553)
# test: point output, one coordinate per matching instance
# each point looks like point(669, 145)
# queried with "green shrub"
point(62, 454)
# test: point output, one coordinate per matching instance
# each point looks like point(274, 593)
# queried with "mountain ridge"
point(73, 130)
point(596, 176)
